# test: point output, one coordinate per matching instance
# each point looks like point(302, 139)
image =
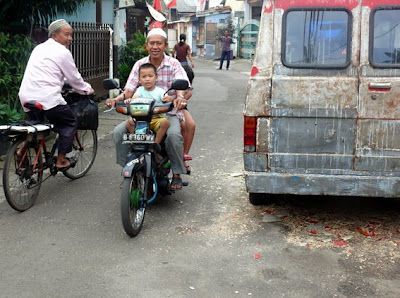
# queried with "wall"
point(212, 45)
point(87, 13)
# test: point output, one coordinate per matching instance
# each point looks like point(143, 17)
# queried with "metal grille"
point(91, 49)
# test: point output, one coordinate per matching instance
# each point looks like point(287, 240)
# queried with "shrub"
point(8, 115)
point(14, 54)
point(133, 51)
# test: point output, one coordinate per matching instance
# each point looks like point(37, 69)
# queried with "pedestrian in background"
point(226, 41)
point(182, 51)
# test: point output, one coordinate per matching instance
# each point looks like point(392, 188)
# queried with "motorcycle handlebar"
point(158, 108)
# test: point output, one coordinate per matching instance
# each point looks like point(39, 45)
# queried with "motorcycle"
point(147, 171)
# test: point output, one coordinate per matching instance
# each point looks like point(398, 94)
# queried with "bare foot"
point(64, 164)
point(62, 161)
point(176, 182)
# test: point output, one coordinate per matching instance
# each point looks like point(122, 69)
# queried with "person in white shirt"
point(49, 65)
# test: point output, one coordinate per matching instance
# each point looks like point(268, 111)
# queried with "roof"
point(186, 6)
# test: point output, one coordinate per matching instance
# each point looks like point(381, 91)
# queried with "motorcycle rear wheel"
point(133, 203)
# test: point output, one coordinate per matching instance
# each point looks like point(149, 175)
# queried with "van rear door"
point(378, 125)
point(315, 86)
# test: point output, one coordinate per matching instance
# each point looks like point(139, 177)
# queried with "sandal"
point(188, 170)
point(177, 182)
point(72, 163)
point(186, 157)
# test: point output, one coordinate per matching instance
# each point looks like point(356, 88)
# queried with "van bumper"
point(320, 184)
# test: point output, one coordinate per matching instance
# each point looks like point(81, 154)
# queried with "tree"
point(19, 16)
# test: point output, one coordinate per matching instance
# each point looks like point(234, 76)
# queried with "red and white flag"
point(156, 5)
point(170, 3)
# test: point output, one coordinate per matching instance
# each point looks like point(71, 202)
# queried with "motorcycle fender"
point(133, 165)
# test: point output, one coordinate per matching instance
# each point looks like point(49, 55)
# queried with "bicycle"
point(28, 157)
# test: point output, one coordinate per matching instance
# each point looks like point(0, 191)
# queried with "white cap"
point(157, 31)
point(54, 26)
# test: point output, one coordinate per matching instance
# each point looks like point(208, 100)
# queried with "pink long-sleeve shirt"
point(48, 65)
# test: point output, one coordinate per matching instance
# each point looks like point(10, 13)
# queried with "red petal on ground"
point(314, 232)
point(340, 243)
point(308, 244)
point(283, 217)
point(313, 221)
point(256, 256)
point(363, 232)
point(268, 211)
point(328, 228)
point(373, 232)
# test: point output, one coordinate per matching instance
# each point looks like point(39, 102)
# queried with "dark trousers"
point(65, 125)
point(224, 54)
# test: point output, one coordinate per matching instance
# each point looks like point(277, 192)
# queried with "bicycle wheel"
point(21, 177)
point(133, 204)
point(84, 150)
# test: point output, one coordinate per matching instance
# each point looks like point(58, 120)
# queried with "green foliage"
point(14, 55)
point(133, 51)
point(8, 115)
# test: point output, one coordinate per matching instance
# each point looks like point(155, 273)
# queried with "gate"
point(248, 39)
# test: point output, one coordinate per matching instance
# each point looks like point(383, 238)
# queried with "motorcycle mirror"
point(179, 84)
point(109, 84)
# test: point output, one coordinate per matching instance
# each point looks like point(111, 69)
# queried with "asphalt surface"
point(206, 240)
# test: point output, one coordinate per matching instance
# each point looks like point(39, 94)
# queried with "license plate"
point(138, 138)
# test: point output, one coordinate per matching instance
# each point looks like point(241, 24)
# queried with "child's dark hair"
point(147, 66)
point(189, 73)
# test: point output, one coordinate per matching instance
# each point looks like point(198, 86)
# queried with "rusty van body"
point(322, 111)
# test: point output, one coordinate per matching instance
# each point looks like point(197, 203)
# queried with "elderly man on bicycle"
point(49, 65)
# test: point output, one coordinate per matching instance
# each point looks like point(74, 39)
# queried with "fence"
point(91, 49)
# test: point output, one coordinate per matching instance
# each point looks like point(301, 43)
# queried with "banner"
point(158, 16)
point(156, 24)
point(170, 3)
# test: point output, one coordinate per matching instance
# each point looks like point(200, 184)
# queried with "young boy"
point(148, 89)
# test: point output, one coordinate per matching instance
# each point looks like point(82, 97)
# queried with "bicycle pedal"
point(73, 161)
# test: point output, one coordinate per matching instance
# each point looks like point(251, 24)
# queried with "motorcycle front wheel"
point(133, 203)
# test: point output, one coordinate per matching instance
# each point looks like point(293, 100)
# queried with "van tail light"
point(249, 137)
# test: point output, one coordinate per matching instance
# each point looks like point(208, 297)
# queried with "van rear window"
point(385, 37)
point(316, 38)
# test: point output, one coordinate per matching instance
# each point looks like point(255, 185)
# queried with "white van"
point(322, 111)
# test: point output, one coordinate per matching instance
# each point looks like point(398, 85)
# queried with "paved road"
point(204, 241)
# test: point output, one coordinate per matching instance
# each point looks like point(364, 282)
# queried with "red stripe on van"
point(285, 4)
point(254, 71)
point(373, 3)
point(268, 6)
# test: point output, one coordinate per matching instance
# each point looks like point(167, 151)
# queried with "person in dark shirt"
point(182, 50)
point(226, 41)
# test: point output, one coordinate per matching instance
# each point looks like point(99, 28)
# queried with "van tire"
point(258, 198)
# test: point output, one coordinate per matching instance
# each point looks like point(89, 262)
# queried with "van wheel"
point(258, 198)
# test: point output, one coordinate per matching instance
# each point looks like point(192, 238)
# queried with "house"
point(211, 18)
point(182, 19)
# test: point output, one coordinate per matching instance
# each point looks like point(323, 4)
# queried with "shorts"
point(155, 123)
